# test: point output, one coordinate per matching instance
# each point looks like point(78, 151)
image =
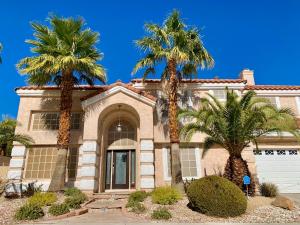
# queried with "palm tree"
point(180, 50)
point(8, 136)
point(1, 47)
point(235, 124)
point(64, 54)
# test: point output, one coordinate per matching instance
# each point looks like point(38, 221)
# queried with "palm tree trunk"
point(173, 128)
point(63, 139)
point(236, 168)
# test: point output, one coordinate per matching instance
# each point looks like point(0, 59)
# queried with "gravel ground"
point(8, 207)
point(259, 211)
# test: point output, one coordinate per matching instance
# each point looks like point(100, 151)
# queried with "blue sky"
point(263, 35)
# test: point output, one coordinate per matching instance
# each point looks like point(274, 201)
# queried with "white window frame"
point(165, 152)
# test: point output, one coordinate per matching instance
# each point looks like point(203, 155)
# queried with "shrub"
point(268, 190)
point(138, 196)
point(136, 207)
point(72, 192)
point(161, 214)
point(42, 199)
point(75, 202)
point(165, 195)
point(216, 196)
point(29, 212)
point(58, 209)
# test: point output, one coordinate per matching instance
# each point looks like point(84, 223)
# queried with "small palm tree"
point(64, 54)
point(1, 47)
point(8, 136)
point(235, 124)
point(180, 50)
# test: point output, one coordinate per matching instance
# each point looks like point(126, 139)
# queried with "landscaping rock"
point(283, 202)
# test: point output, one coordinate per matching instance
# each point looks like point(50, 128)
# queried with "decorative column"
point(88, 166)
point(147, 164)
point(16, 167)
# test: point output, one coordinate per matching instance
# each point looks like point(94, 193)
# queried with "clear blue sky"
point(263, 35)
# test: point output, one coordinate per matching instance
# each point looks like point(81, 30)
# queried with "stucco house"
point(119, 139)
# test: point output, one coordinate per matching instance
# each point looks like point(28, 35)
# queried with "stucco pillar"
point(16, 167)
point(88, 166)
point(147, 164)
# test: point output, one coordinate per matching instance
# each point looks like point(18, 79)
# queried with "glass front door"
point(120, 169)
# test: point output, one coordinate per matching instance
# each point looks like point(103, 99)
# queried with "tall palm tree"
point(8, 136)
point(235, 124)
point(64, 54)
point(180, 50)
point(1, 47)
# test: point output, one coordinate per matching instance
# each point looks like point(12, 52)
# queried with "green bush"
point(165, 195)
point(72, 192)
point(161, 214)
point(136, 207)
point(138, 196)
point(58, 209)
point(75, 202)
point(42, 199)
point(216, 196)
point(29, 212)
point(268, 190)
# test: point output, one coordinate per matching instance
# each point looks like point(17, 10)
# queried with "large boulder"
point(283, 202)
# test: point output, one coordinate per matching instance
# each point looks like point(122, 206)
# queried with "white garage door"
point(280, 167)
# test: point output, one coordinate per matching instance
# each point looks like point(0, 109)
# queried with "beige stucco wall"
point(289, 102)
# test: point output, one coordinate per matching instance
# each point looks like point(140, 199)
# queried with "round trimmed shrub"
point(268, 190)
point(165, 195)
point(58, 209)
point(29, 212)
point(216, 196)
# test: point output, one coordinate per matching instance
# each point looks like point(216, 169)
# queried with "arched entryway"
point(120, 156)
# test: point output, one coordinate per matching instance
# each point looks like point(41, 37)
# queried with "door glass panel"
point(108, 166)
point(121, 167)
point(132, 167)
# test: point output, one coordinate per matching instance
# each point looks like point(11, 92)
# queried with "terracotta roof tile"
point(215, 80)
point(118, 83)
point(272, 87)
point(81, 87)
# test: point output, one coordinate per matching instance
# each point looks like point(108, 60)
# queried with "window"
point(50, 121)
point(41, 162)
point(190, 163)
point(219, 94)
point(125, 137)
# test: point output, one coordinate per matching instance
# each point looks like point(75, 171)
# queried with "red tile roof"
point(118, 83)
point(272, 87)
point(215, 80)
point(80, 87)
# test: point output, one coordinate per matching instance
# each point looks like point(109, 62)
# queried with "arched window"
point(124, 138)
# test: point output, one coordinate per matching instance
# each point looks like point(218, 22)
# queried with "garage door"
point(281, 167)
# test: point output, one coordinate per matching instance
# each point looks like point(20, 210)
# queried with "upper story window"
point(50, 121)
point(219, 94)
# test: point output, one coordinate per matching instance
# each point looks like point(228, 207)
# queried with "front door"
point(120, 169)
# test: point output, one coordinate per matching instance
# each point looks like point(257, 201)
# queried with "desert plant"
point(76, 201)
point(64, 54)
point(161, 214)
point(42, 199)
point(72, 192)
point(216, 196)
point(136, 207)
point(165, 195)
point(268, 190)
point(138, 196)
point(180, 50)
point(234, 124)
point(58, 209)
point(29, 212)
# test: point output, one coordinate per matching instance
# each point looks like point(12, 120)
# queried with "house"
point(119, 137)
